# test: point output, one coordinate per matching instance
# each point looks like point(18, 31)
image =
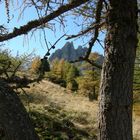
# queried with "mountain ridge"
point(68, 52)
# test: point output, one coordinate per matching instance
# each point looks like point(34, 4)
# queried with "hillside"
point(59, 114)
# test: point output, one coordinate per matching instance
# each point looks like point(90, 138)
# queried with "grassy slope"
point(61, 115)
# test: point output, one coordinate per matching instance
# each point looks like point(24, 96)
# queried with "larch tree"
point(35, 65)
point(116, 91)
point(60, 68)
point(119, 18)
point(71, 76)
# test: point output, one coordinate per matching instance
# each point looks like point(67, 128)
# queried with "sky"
point(36, 44)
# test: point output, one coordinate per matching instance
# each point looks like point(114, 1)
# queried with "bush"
point(55, 79)
point(72, 85)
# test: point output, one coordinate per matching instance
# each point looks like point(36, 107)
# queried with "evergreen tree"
point(71, 75)
point(44, 67)
point(89, 83)
point(56, 74)
point(45, 64)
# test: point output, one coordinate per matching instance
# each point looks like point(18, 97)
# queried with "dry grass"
point(136, 121)
point(47, 92)
point(78, 109)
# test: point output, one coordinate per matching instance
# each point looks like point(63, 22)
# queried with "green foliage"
point(84, 78)
point(46, 65)
point(72, 73)
point(70, 78)
point(56, 73)
point(14, 69)
point(72, 85)
point(79, 76)
point(89, 84)
point(89, 80)
point(4, 58)
point(64, 74)
point(55, 79)
point(9, 65)
point(52, 123)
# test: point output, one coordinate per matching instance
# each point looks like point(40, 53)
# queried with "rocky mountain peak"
point(68, 52)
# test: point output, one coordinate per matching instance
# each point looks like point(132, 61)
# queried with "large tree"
point(116, 91)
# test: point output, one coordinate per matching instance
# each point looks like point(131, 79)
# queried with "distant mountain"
point(68, 52)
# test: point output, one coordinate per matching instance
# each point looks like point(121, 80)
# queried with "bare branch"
point(96, 32)
point(35, 23)
point(15, 70)
point(93, 26)
point(100, 44)
point(93, 63)
point(53, 46)
point(5, 69)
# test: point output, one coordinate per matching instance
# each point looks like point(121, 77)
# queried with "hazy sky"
point(36, 44)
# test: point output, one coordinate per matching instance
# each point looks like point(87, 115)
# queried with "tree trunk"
point(115, 115)
point(14, 120)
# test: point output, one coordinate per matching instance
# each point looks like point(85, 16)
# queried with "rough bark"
point(115, 115)
point(14, 120)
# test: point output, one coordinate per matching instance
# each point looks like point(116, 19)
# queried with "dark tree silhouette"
point(14, 121)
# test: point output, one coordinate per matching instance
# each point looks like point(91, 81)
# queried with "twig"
point(96, 32)
point(93, 40)
point(100, 43)
point(87, 60)
point(35, 23)
point(53, 46)
point(93, 26)
point(15, 70)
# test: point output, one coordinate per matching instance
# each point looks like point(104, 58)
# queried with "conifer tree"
point(54, 67)
point(60, 68)
point(71, 75)
point(35, 65)
point(66, 66)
